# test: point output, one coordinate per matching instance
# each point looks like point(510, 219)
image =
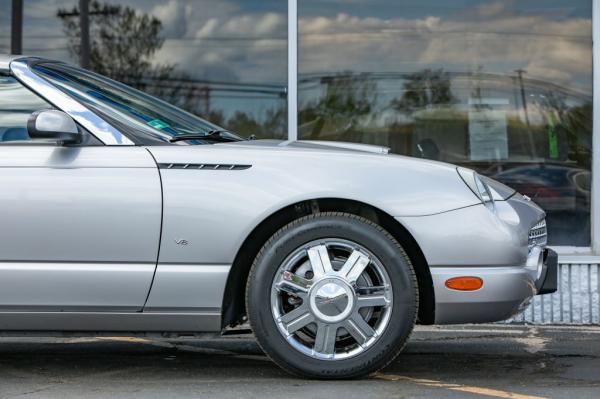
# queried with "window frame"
point(83, 116)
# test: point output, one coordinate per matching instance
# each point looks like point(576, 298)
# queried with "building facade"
point(501, 86)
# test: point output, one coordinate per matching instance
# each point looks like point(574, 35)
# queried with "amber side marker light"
point(464, 283)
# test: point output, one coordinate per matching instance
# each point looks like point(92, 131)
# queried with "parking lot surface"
point(487, 361)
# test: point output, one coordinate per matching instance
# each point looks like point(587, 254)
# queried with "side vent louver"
point(203, 166)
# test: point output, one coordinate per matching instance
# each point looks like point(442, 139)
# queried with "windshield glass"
point(143, 118)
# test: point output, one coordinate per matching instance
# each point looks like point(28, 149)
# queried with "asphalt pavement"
point(488, 361)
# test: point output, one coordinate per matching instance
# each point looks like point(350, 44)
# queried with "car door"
point(79, 226)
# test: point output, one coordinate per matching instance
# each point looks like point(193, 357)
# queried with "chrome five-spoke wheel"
point(332, 295)
point(331, 299)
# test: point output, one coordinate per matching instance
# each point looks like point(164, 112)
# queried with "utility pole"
point(206, 95)
point(16, 27)
point(84, 26)
point(83, 13)
point(520, 73)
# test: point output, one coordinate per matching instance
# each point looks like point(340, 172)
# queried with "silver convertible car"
point(121, 213)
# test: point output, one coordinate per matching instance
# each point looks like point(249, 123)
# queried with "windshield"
point(143, 118)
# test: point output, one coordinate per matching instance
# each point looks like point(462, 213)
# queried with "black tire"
point(342, 226)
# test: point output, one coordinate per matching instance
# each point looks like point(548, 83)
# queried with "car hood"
point(332, 150)
point(299, 170)
point(315, 145)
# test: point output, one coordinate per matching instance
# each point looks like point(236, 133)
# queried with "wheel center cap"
point(331, 299)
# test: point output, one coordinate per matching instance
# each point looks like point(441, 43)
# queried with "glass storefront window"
point(5, 17)
point(504, 87)
point(43, 33)
point(224, 60)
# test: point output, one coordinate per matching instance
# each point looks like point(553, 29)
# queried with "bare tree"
point(123, 42)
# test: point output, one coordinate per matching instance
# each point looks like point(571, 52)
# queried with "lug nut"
point(293, 300)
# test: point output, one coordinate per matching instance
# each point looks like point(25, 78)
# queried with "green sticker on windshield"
point(158, 124)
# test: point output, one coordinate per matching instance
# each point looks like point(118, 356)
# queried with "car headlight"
point(477, 186)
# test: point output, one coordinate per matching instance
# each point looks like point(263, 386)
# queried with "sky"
point(211, 39)
point(246, 40)
point(551, 40)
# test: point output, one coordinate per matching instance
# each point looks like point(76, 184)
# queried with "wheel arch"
point(233, 305)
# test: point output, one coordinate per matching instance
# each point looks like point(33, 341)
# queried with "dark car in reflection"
point(564, 191)
point(554, 187)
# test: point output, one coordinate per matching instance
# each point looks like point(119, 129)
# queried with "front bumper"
point(506, 290)
point(549, 278)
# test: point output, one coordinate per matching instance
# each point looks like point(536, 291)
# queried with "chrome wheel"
point(331, 299)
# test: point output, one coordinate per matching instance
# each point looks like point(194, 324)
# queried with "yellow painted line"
point(496, 393)
point(135, 340)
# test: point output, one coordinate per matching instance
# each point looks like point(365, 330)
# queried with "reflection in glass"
point(224, 60)
point(16, 105)
point(503, 87)
point(5, 17)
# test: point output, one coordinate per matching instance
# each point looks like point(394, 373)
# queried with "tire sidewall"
point(351, 228)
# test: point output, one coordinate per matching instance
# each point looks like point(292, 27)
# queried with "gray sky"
point(242, 40)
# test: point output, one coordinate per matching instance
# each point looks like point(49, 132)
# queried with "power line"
point(28, 49)
point(215, 82)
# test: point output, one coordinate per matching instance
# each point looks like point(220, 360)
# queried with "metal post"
point(292, 84)
point(596, 129)
point(590, 294)
point(598, 288)
point(520, 73)
point(206, 95)
point(84, 26)
point(560, 289)
point(16, 30)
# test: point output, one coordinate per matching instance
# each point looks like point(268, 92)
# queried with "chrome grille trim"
point(538, 234)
